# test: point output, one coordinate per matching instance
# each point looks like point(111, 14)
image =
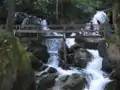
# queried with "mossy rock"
point(74, 82)
point(14, 61)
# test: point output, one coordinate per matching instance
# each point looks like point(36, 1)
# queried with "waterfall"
point(70, 41)
point(99, 18)
point(96, 78)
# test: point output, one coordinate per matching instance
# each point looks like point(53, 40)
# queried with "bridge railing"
point(50, 26)
point(63, 28)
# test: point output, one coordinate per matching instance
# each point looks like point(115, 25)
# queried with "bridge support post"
point(64, 42)
point(105, 31)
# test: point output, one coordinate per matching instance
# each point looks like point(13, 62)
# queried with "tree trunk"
point(116, 22)
point(116, 19)
point(10, 18)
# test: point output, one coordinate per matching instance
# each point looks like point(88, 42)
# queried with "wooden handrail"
point(57, 30)
point(50, 26)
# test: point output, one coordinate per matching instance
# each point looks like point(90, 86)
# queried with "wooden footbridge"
point(63, 29)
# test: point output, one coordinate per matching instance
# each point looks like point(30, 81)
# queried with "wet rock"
point(63, 78)
point(39, 50)
point(36, 63)
point(113, 53)
point(47, 81)
point(91, 45)
point(77, 56)
point(52, 70)
point(102, 48)
point(111, 85)
point(73, 82)
point(115, 73)
point(106, 65)
point(43, 68)
point(75, 47)
point(42, 54)
point(81, 58)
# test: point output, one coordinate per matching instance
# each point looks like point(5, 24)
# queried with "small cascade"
point(70, 41)
point(96, 80)
point(53, 46)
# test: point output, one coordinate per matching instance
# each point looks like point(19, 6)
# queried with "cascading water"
point(96, 78)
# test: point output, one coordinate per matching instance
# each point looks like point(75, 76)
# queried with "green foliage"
point(43, 4)
point(13, 58)
point(111, 39)
point(47, 5)
point(97, 4)
point(24, 60)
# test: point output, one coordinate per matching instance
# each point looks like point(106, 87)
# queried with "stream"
point(96, 78)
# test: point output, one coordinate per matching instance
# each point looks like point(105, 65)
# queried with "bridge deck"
point(64, 28)
point(85, 33)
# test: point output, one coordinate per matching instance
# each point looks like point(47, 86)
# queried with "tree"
point(116, 18)
point(10, 18)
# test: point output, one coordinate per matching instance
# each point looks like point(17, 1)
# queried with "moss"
point(24, 60)
point(111, 39)
point(13, 59)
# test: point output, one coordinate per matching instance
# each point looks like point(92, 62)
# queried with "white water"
point(96, 78)
point(101, 17)
point(97, 81)
point(70, 41)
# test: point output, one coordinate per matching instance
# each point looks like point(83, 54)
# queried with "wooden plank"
point(72, 36)
point(52, 31)
point(53, 25)
point(49, 37)
point(50, 26)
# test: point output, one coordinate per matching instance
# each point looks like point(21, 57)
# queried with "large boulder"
point(115, 75)
point(102, 49)
point(39, 50)
point(42, 54)
point(46, 81)
point(76, 56)
point(73, 82)
point(111, 58)
point(81, 58)
point(111, 85)
point(36, 63)
point(15, 67)
point(113, 53)
point(106, 65)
